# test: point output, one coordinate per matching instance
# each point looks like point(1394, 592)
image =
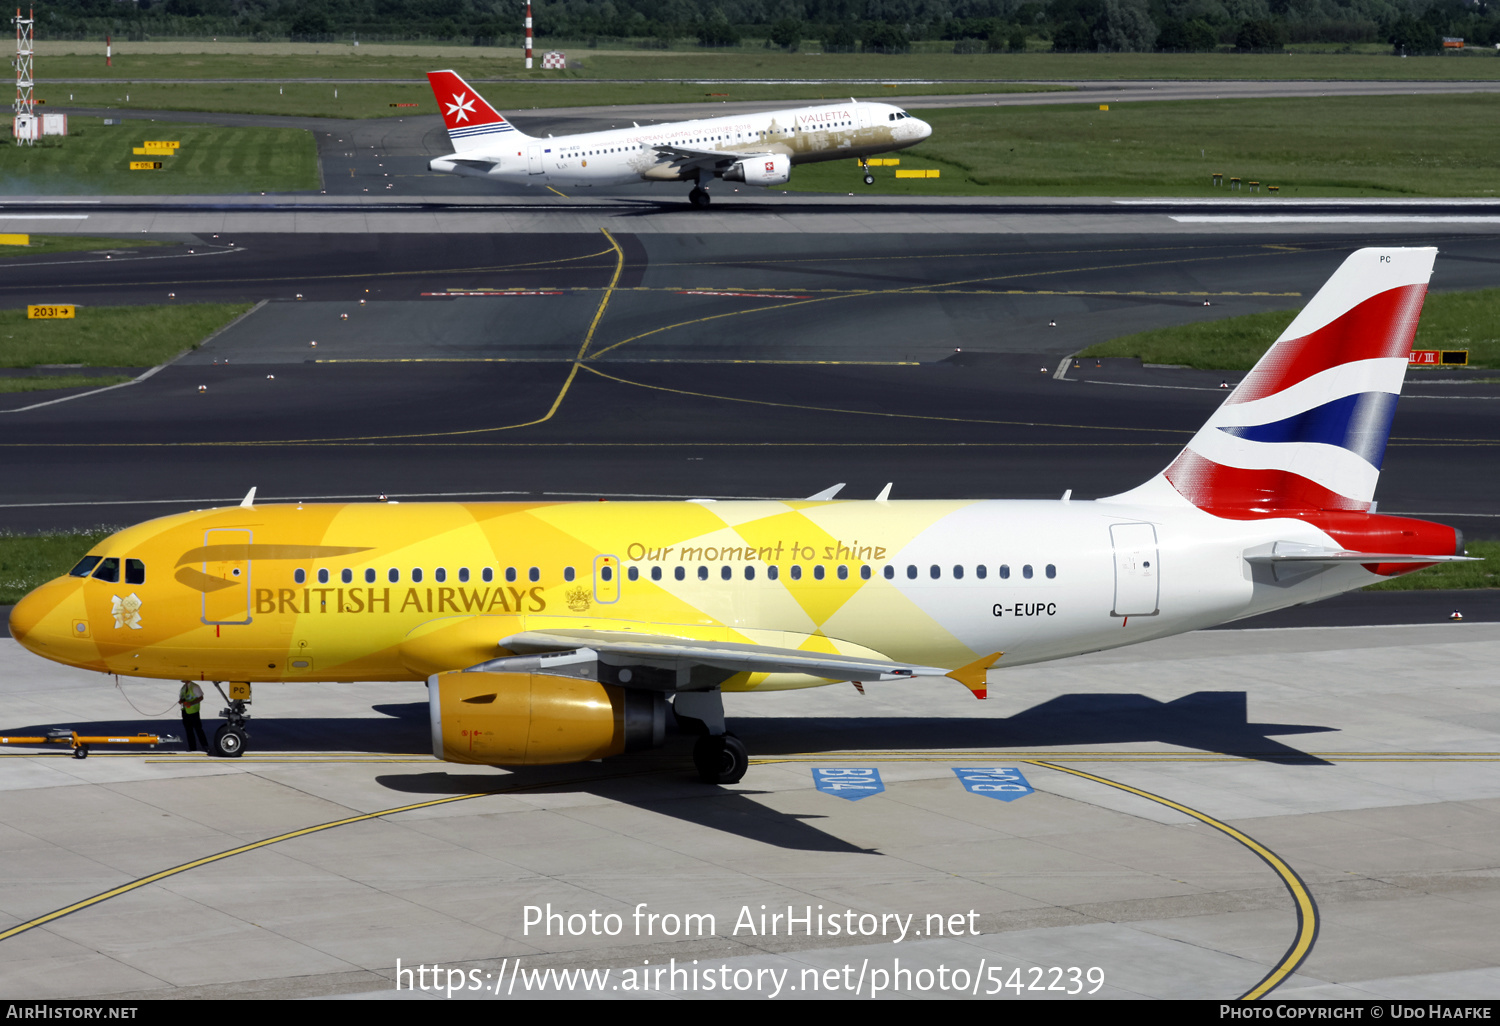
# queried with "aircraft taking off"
point(560, 632)
point(758, 149)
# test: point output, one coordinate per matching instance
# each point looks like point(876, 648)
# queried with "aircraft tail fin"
point(471, 122)
point(1307, 427)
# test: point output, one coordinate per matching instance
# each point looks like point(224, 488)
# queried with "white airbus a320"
point(757, 149)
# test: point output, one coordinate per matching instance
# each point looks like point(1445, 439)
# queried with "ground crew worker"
point(190, 698)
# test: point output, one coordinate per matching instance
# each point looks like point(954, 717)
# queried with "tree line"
point(876, 26)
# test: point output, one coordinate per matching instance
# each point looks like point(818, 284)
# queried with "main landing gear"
point(699, 198)
point(718, 756)
point(229, 739)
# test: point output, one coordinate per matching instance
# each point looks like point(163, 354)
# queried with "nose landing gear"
point(865, 167)
point(229, 739)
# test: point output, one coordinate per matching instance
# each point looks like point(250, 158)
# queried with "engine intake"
point(773, 169)
point(536, 719)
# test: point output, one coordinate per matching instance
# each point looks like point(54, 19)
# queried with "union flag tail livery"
point(471, 122)
point(552, 632)
point(1307, 427)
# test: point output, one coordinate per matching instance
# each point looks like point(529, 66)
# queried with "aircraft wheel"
point(229, 743)
point(81, 752)
point(720, 760)
point(699, 198)
point(869, 179)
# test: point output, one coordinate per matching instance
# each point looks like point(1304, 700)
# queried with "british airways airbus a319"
point(757, 149)
point(554, 632)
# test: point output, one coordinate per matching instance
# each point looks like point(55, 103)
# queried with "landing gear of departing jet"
point(869, 178)
point(229, 740)
point(699, 198)
point(718, 756)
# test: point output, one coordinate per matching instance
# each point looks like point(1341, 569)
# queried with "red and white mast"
point(528, 33)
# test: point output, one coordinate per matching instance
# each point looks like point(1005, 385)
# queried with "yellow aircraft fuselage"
point(389, 591)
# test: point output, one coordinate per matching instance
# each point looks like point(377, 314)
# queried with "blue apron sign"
point(1003, 782)
point(851, 782)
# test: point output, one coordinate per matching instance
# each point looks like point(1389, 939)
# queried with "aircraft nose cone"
point(24, 617)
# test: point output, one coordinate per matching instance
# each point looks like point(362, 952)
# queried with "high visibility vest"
point(194, 696)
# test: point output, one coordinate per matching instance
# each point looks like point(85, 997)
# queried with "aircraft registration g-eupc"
point(552, 632)
point(758, 149)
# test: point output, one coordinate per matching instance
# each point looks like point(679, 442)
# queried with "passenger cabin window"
point(135, 572)
point(633, 573)
point(416, 575)
point(726, 572)
point(679, 573)
point(510, 575)
point(703, 573)
point(109, 570)
point(1051, 571)
point(796, 572)
point(299, 575)
point(463, 575)
point(487, 574)
point(1026, 571)
point(980, 571)
point(911, 572)
point(958, 573)
point(323, 576)
point(347, 576)
point(818, 572)
point(656, 573)
point(85, 566)
point(864, 573)
point(567, 573)
point(440, 574)
point(370, 575)
point(1004, 572)
point(935, 571)
point(533, 575)
point(393, 575)
point(773, 572)
point(843, 572)
point(889, 572)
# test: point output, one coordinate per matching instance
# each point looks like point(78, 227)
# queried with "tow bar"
point(80, 742)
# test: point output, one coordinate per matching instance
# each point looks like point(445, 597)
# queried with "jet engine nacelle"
point(773, 169)
point(537, 719)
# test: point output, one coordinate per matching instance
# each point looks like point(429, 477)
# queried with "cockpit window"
point(109, 570)
point(135, 572)
point(85, 566)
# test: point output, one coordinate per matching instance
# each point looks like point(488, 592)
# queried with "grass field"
point(1452, 575)
point(41, 245)
point(95, 159)
point(29, 560)
point(1321, 146)
point(413, 62)
point(111, 336)
point(53, 382)
point(372, 100)
point(1457, 320)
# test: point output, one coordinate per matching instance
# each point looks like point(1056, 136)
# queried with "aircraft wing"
point(688, 157)
point(667, 653)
